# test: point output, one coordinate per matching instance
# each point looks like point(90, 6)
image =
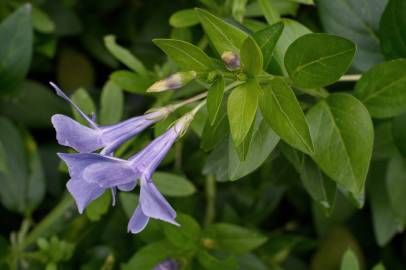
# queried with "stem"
point(189, 100)
point(178, 156)
point(211, 200)
point(350, 78)
point(47, 222)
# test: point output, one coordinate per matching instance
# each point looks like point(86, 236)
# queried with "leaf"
point(131, 82)
point(213, 134)
point(384, 144)
point(184, 18)
point(82, 99)
point(111, 104)
point(210, 262)
point(15, 47)
point(129, 202)
point(41, 21)
point(186, 55)
point(271, 14)
point(233, 238)
point(215, 98)
point(317, 60)
point(186, 236)
point(396, 186)
point(218, 160)
point(342, 139)
point(224, 36)
point(262, 142)
point(97, 208)
point(358, 21)
point(381, 89)
point(282, 111)
point(173, 185)
point(267, 39)
point(349, 261)
point(251, 57)
point(399, 133)
point(123, 55)
point(392, 30)
point(241, 108)
point(379, 266)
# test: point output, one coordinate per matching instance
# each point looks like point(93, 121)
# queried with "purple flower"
point(169, 264)
point(88, 139)
point(174, 81)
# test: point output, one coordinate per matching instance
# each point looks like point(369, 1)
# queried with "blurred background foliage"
point(101, 53)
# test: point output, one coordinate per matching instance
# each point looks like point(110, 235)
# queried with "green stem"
point(210, 200)
point(47, 222)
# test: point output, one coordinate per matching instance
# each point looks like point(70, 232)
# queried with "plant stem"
point(210, 200)
point(47, 222)
point(350, 78)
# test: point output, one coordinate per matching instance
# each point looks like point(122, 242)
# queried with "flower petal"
point(138, 221)
point(73, 134)
point(83, 192)
point(154, 205)
point(127, 187)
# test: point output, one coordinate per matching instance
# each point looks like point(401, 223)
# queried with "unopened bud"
point(159, 113)
point(231, 59)
point(174, 81)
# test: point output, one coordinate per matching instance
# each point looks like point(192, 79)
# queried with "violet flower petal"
point(138, 221)
point(83, 192)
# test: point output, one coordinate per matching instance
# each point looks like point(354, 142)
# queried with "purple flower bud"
point(231, 59)
point(169, 264)
point(88, 139)
point(174, 81)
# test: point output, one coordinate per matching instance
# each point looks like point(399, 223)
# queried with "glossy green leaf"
point(233, 238)
point(267, 39)
point(317, 60)
point(396, 185)
point(186, 236)
point(399, 133)
point(223, 35)
point(124, 55)
point(82, 99)
point(111, 104)
point(241, 108)
point(381, 89)
point(242, 149)
point(210, 262)
point(213, 134)
point(270, 12)
point(131, 82)
point(349, 261)
point(251, 57)
point(184, 18)
point(215, 98)
point(173, 185)
point(358, 21)
point(15, 47)
point(342, 139)
point(392, 29)
point(282, 111)
point(186, 55)
point(218, 160)
point(97, 208)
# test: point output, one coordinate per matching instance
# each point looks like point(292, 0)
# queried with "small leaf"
point(123, 55)
point(224, 36)
point(251, 57)
point(270, 12)
point(282, 111)
point(241, 108)
point(349, 261)
point(97, 208)
point(82, 99)
point(129, 202)
point(41, 21)
point(342, 139)
point(173, 185)
point(267, 39)
point(213, 134)
point(186, 236)
point(111, 104)
point(184, 18)
point(210, 262)
point(381, 89)
point(396, 185)
point(186, 55)
point(215, 98)
point(379, 266)
point(131, 82)
point(317, 60)
point(399, 133)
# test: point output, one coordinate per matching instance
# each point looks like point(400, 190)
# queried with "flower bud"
point(174, 81)
point(231, 59)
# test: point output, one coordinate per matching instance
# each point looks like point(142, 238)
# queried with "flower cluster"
point(91, 173)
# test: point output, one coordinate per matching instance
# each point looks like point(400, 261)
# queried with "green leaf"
point(214, 133)
point(251, 57)
point(342, 139)
point(399, 133)
point(392, 30)
point(224, 36)
point(124, 56)
point(111, 104)
point(282, 111)
point(186, 55)
point(241, 108)
point(384, 144)
point(15, 47)
point(379, 266)
point(129, 202)
point(184, 18)
point(173, 185)
point(263, 141)
point(358, 21)
point(396, 185)
point(97, 208)
point(317, 60)
point(186, 236)
point(233, 238)
point(381, 89)
point(306, 2)
point(210, 262)
point(349, 261)
point(131, 82)
point(267, 39)
point(271, 14)
point(82, 99)
point(41, 21)
point(215, 98)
